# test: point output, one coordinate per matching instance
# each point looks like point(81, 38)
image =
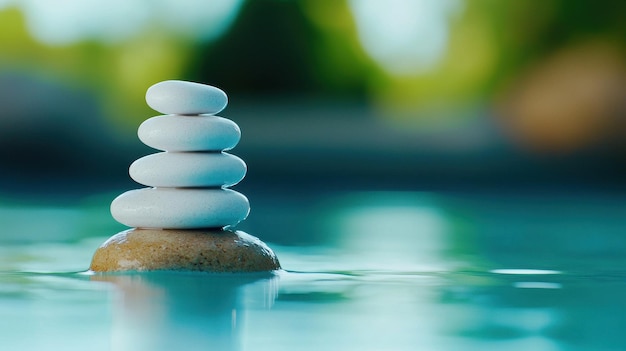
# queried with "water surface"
point(362, 270)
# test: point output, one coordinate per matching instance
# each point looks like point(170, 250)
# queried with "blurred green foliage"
point(312, 47)
point(547, 78)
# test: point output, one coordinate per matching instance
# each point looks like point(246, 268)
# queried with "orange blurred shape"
point(572, 100)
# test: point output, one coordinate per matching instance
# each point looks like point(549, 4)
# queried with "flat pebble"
point(185, 98)
point(188, 169)
point(189, 133)
point(180, 208)
point(184, 250)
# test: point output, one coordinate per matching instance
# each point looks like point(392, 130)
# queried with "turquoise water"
point(362, 271)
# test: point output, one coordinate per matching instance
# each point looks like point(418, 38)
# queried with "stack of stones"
point(181, 220)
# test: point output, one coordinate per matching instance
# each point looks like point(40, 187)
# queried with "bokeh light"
point(68, 22)
point(405, 37)
point(436, 93)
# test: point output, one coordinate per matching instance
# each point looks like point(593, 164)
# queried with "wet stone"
point(211, 250)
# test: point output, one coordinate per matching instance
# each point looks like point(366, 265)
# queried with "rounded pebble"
point(189, 133)
point(185, 98)
point(180, 208)
point(184, 250)
point(188, 169)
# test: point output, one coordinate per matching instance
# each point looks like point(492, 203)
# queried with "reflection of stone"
point(173, 311)
point(196, 250)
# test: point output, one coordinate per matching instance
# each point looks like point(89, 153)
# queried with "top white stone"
point(185, 98)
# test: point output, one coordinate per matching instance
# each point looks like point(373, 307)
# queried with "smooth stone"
point(180, 208)
point(189, 133)
point(188, 169)
point(185, 98)
point(184, 250)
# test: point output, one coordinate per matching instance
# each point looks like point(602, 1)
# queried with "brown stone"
point(185, 250)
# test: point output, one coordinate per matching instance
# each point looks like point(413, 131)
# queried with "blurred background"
point(409, 94)
point(405, 97)
point(485, 139)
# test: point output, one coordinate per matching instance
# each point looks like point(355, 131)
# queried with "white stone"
point(185, 98)
point(171, 208)
point(189, 133)
point(188, 169)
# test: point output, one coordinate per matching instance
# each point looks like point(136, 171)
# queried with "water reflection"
point(387, 231)
point(395, 271)
point(174, 311)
